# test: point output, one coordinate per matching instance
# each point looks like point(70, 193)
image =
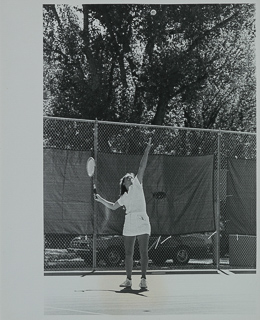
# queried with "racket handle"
point(94, 189)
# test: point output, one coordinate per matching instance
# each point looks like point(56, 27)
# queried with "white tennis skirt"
point(136, 223)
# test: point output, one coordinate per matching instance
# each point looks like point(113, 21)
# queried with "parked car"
point(161, 248)
point(58, 240)
point(180, 248)
point(108, 248)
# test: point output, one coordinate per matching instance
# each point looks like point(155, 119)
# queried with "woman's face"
point(128, 181)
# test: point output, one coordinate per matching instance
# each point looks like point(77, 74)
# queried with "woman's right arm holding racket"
point(108, 204)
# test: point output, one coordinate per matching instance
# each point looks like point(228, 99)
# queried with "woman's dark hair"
point(122, 186)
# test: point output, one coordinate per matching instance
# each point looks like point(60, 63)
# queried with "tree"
point(188, 65)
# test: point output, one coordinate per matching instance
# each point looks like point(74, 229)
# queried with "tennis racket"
point(90, 167)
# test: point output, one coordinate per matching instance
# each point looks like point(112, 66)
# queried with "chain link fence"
point(217, 245)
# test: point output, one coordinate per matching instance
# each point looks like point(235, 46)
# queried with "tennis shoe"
point(143, 283)
point(127, 283)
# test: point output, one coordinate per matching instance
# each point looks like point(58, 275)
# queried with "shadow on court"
point(125, 290)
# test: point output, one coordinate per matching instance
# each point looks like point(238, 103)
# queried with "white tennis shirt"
point(134, 200)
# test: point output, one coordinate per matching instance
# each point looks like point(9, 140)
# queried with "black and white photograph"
point(129, 166)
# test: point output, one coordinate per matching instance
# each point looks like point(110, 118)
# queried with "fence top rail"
point(219, 131)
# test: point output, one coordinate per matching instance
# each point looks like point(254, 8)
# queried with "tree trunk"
point(161, 107)
point(87, 51)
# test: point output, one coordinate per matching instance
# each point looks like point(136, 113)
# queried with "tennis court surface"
point(223, 295)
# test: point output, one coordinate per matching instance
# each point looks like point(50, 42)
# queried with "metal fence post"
point(218, 202)
point(95, 203)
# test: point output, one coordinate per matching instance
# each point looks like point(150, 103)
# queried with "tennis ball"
point(153, 12)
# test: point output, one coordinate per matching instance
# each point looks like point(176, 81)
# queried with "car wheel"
point(182, 256)
point(113, 257)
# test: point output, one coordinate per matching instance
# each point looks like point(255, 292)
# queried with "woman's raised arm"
point(143, 162)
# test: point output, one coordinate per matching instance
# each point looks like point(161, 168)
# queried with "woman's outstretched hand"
point(97, 197)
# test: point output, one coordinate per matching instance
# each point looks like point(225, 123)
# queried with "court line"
point(72, 310)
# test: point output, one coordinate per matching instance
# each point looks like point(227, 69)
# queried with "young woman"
point(137, 224)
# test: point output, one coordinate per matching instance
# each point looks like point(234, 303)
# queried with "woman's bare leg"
point(129, 242)
point(143, 248)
